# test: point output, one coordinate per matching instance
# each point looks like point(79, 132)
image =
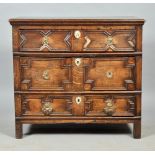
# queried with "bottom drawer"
point(77, 105)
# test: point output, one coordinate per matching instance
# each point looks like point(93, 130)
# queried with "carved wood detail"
point(123, 105)
point(110, 40)
point(121, 74)
point(45, 40)
point(77, 74)
point(77, 71)
point(33, 105)
point(32, 70)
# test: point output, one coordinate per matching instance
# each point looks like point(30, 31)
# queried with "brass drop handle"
point(45, 75)
point(110, 107)
point(45, 40)
point(109, 74)
point(77, 34)
point(109, 41)
point(47, 108)
point(45, 44)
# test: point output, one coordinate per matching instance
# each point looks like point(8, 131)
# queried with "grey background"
point(76, 138)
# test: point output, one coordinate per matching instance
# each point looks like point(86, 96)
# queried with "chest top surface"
point(77, 20)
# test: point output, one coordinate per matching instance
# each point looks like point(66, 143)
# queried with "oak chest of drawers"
point(77, 71)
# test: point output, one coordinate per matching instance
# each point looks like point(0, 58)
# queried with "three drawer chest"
point(83, 70)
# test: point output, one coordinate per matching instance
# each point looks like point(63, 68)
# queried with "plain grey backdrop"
point(76, 138)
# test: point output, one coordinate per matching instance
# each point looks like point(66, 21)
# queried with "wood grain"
point(93, 78)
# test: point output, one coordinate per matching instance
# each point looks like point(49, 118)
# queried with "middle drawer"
point(77, 74)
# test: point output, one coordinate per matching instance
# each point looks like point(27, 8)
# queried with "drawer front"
point(51, 105)
point(105, 40)
point(78, 74)
point(110, 105)
point(78, 40)
point(45, 73)
point(77, 105)
point(109, 73)
point(45, 40)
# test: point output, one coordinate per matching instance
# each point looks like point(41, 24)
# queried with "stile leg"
point(137, 129)
point(19, 130)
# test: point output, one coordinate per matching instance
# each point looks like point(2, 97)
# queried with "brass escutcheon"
point(77, 61)
point(77, 34)
point(78, 100)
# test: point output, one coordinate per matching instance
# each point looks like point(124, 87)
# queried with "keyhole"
point(78, 100)
point(77, 34)
point(77, 61)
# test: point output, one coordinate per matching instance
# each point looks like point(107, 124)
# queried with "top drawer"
point(78, 39)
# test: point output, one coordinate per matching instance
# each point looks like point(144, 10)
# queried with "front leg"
point(19, 130)
point(137, 129)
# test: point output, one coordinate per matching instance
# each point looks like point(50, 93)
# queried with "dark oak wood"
point(137, 129)
point(78, 21)
point(65, 105)
point(91, 40)
point(66, 55)
point(82, 70)
point(79, 92)
point(19, 129)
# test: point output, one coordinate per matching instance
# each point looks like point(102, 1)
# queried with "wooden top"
point(77, 21)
